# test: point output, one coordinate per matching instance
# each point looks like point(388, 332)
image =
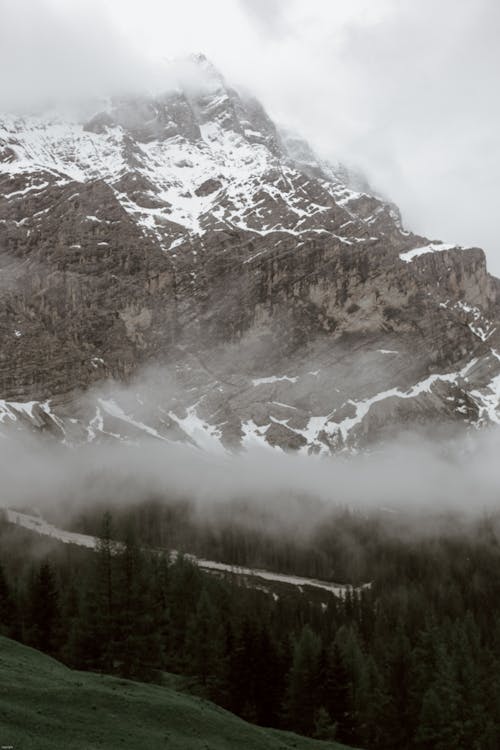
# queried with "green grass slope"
point(44, 705)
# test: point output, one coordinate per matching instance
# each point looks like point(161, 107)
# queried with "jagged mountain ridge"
point(279, 305)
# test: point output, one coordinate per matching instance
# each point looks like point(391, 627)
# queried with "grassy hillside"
point(46, 706)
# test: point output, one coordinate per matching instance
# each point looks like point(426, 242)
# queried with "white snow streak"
point(39, 526)
point(433, 247)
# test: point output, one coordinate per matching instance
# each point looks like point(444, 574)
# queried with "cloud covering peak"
point(405, 91)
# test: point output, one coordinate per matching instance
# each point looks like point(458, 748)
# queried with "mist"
point(55, 55)
point(294, 493)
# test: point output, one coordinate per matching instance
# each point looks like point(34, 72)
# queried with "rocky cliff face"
point(266, 299)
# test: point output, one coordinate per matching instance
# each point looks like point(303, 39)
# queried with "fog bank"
point(292, 491)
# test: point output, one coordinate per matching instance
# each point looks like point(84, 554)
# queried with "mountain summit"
point(272, 302)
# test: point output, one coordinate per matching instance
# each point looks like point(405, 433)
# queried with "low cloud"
point(294, 494)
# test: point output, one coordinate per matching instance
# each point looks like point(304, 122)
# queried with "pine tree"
point(354, 663)
point(303, 682)
point(104, 621)
point(87, 647)
point(44, 611)
point(324, 727)
point(6, 605)
point(376, 720)
point(430, 730)
point(185, 582)
point(398, 723)
point(441, 717)
point(241, 645)
point(203, 640)
point(336, 697)
point(137, 640)
point(270, 678)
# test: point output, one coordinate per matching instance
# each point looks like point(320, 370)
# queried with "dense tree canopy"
point(413, 661)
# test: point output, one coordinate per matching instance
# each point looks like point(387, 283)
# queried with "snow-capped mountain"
point(271, 297)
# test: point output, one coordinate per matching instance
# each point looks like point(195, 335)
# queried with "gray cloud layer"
point(294, 492)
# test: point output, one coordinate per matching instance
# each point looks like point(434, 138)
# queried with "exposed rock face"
point(283, 306)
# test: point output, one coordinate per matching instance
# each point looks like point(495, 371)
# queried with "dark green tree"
point(304, 682)
point(43, 624)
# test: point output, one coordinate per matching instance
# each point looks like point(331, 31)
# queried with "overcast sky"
point(408, 90)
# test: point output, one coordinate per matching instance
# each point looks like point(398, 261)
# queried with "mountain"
point(178, 267)
point(46, 705)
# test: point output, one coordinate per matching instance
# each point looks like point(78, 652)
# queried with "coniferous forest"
point(411, 661)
